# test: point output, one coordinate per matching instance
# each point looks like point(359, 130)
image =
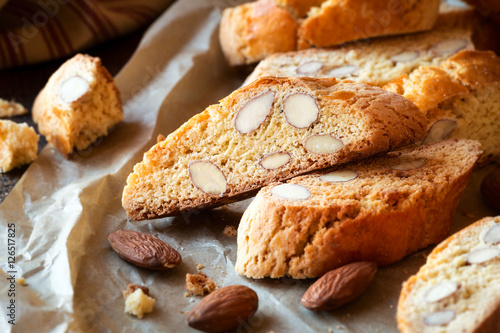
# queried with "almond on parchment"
point(144, 250)
point(224, 309)
point(339, 287)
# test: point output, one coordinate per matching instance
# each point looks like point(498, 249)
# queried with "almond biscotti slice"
point(251, 31)
point(460, 98)
point(377, 210)
point(270, 130)
point(374, 62)
point(458, 288)
point(337, 22)
point(79, 104)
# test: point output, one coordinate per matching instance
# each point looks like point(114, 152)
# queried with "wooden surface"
point(23, 84)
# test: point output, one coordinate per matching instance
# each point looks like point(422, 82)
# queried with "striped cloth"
point(32, 31)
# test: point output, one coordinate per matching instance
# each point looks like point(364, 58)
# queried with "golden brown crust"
point(465, 89)
point(347, 20)
point(366, 118)
point(406, 210)
point(250, 32)
point(299, 8)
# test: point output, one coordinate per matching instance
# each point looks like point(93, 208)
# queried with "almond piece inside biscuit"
point(73, 88)
point(254, 112)
point(449, 46)
point(482, 255)
point(300, 110)
point(207, 177)
point(274, 160)
point(310, 67)
point(440, 130)
point(405, 56)
point(339, 176)
point(492, 236)
point(440, 291)
point(343, 71)
point(322, 144)
point(291, 192)
point(439, 318)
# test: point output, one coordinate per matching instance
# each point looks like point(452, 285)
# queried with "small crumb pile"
point(11, 109)
point(230, 231)
point(137, 300)
point(199, 284)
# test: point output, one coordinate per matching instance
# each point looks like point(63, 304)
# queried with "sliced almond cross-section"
point(339, 176)
point(492, 236)
point(300, 110)
point(254, 112)
point(291, 192)
point(405, 56)
point(310, 67)
point(449, 46)
point(73, 88)
point(482, 255)
point(343, 71)
point(440, 130)
point(440, 291)
point(274, 160)
point(207, 177)
point(322, 144)
point(439, 318)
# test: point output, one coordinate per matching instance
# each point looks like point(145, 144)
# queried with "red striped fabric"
point(38, 30)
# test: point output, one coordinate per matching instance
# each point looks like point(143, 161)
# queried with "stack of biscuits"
point(357, 132)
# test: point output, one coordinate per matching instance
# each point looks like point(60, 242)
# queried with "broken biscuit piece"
point(18, 145)
point(11, 109)
point(79, 105)
point(137, 300)
point(199, 284)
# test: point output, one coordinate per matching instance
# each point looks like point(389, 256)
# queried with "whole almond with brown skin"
point(224, 309)
point(490, 189)
point(339, 287)
point(144, 250)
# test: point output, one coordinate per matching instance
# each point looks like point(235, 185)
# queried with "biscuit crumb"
point(199, 267)
point(405, 271)
point(186, 295)
point(339, 327)
point(137, 300)
point(19, 145)
point(160, 138)
point(230, 231)
point(11, 109)
point(21, 281)
point(199, 284)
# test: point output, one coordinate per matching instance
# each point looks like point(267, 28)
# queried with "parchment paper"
point(63, 211)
